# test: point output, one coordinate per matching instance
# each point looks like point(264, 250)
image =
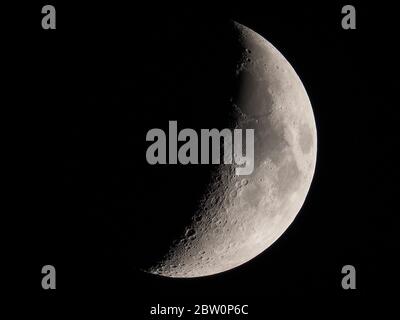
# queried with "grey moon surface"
point(241, 216)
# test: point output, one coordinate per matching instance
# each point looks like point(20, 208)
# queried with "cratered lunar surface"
point(241, 216)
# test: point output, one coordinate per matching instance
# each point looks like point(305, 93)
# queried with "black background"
point(83, 96)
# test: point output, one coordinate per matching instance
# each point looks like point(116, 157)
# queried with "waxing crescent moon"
point(241, 216)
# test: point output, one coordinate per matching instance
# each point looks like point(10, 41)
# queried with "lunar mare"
point(241, 216)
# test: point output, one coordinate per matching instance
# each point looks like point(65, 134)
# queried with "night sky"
point(84, 95)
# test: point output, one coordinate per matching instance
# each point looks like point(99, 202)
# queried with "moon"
point(241, 216)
